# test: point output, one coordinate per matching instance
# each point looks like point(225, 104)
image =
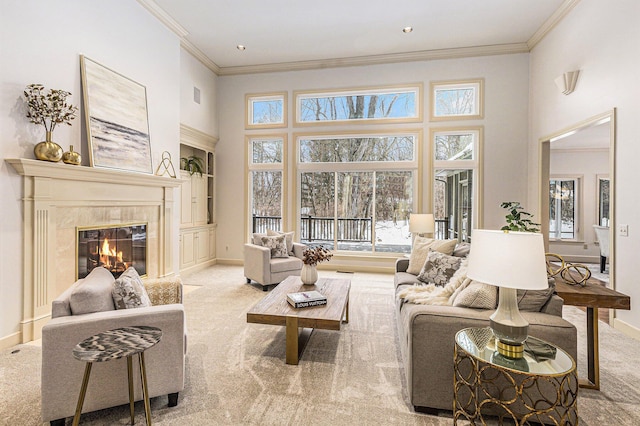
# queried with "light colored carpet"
point(236, 372)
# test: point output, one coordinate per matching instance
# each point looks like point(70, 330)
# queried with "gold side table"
point(115, 344)
point(541, 387)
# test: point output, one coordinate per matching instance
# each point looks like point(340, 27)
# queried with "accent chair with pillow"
point(272, 257)
point(98, 303)
point(433, 304)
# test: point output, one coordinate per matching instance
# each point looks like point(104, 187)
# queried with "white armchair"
point(602, 235)
point(267, 271)
point(62, 374)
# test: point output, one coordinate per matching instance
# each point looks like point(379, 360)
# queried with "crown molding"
point(196, 138)
point(164, 17)
point(199, 55)
point(577, 150)
point(425, 55)
point(552, 22)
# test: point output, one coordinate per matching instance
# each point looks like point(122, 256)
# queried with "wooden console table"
point(593, 296)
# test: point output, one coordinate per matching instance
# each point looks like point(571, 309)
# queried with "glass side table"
point(541, 387)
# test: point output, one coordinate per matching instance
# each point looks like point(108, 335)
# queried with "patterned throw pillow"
point(277, 244)
point(129, 292)
point(288, 237)
point(439, 268)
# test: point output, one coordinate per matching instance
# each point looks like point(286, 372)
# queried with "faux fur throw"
point(431, 294)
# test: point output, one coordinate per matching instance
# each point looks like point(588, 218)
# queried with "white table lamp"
point(421, 223)
point(511, 261)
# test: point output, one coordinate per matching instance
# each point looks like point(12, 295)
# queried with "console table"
point(593, 295)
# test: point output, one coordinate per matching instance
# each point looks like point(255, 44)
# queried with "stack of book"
point(306, 299)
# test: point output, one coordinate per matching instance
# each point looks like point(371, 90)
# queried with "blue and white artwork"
point(116, 112)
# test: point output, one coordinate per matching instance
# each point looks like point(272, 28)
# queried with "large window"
point(357, 191)
point(603, 200)
point(563, 208)
point(266, 159)
point(400, 104)
point(456, 157)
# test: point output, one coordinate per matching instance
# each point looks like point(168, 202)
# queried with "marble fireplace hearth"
point(58, 199)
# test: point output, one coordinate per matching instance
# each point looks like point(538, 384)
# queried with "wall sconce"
point(567, 81)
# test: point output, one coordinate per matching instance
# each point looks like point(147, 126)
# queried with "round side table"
point(541, 387)
point(115, 344)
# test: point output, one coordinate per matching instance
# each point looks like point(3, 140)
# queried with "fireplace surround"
point(58, 199)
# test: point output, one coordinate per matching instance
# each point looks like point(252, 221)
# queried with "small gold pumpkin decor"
point(71, 157)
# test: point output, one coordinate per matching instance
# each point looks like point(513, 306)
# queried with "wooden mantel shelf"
point(47, 169)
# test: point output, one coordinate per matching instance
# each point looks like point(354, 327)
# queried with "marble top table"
point(115, 344)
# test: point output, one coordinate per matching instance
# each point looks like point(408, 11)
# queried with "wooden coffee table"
point(275, 310)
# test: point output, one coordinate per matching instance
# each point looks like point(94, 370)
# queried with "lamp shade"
point(421, 223)
point(508, 259)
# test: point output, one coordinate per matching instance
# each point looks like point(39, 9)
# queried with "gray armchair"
point(267, 271)
point(62, 374)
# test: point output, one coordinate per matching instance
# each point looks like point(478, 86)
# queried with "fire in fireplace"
point(114, 247)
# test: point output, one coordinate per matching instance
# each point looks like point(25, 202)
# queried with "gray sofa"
point(426, 334)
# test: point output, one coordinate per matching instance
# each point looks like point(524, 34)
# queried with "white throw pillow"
point(93, 294)
point(420, 250)
point(129, 292)
point(477, 295)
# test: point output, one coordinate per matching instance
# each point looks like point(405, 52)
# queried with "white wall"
point(587, 165)
point(505, 127)
point(601, 39)
point(202, 116)
point(40, 43)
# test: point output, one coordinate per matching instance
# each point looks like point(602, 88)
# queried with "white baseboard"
point(627, 329)
point(234, 262)
point(10, 340)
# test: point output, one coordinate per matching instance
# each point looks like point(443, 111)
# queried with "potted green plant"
point(192, 164)
point(518, 219)
point(49, 110)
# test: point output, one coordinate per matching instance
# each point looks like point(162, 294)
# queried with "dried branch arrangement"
point(314, 255)
point(48, 109)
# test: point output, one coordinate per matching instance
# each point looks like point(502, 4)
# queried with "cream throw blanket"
point(430, 294)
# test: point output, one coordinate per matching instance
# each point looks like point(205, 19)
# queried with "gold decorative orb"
point(71, 157)
point(48, 151)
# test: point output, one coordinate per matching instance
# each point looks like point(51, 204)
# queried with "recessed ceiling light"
point(407, 30)
point(241, 47)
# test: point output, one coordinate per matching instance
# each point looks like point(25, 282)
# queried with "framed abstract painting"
point(117, 120)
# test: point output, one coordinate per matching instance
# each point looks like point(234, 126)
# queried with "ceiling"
point(290, 34)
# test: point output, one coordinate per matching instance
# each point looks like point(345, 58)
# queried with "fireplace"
point(115, 248)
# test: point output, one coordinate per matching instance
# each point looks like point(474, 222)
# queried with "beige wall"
point(41, 43)
point(601, 39)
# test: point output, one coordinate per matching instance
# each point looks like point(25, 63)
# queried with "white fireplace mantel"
point(57, 198)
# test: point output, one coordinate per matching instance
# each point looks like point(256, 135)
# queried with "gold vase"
point(48, 150)
point(71, 157)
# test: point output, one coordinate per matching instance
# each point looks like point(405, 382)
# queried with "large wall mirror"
point(577, 187)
